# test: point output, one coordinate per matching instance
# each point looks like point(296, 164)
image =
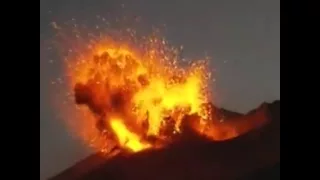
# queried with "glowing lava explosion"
point(137, 99)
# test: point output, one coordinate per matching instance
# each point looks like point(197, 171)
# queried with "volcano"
point(254, 154)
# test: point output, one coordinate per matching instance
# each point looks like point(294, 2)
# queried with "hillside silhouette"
point(255, 154)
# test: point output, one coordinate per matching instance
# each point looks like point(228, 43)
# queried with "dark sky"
point(242, 37)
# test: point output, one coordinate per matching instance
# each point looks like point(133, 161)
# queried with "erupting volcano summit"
point(135, 98)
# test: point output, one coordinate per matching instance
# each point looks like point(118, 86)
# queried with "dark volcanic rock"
point(221, 113)
point(253, 155)
point(81, 168)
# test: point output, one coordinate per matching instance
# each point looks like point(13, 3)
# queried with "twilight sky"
point(242, 37)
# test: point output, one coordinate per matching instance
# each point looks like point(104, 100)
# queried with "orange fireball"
point(136, 98)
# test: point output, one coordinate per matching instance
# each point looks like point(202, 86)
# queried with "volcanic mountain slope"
point(243, 157)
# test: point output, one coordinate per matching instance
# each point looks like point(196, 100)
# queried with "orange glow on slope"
point(127, 138)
